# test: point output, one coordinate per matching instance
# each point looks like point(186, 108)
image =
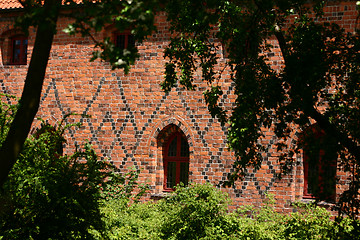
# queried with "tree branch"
point(282, 43)
point(332, 130)
point(30, 99)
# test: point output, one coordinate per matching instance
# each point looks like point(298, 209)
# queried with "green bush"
point(262, 223)
point(197, 212)
point(193, 212)
point(7, 113)
point(124, 187)
point(313, 222)
point(48, 195)
point(137, 221)
point(53, 196)
point(125, 217)
point(309, 222)
point(201, 212)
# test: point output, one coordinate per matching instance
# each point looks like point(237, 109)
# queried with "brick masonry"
point(131, 117)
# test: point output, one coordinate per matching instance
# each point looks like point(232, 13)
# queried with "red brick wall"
point(131, 115)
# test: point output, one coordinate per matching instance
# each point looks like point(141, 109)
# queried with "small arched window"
point(176, 161)
point(13, 46)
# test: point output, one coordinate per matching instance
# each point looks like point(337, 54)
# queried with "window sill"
point(15, 65)
point(158, 196)
point(324, 204)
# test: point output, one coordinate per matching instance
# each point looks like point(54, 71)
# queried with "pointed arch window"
point(176, 161)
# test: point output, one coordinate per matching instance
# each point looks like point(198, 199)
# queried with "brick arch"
point(166, 132)
point(10, 32)
point(161, 132)
point(5, 43)
point(164, 125)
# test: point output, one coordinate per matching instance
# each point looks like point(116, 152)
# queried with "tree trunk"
point(30, 99)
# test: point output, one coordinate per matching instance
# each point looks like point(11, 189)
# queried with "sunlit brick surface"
point(131, 116)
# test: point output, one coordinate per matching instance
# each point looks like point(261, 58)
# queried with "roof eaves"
point(5, 10)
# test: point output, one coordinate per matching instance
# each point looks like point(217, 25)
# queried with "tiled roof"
point(15, 4)
point(10, 4)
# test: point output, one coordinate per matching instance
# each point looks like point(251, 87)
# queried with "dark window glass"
point(184, 148)
point(172, 148)
point(131, 40)
point(171, 175)
point(176, 161)
point(120, 41)
point(320, 156)
point(312, 182)
point(184, 172)
point(124, 40)
point(18, 50)
point(24, 56)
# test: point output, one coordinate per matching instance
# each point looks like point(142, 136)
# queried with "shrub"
point(201, 212)
point(137, 221)
point(309, 222)
point(313, 222)
point(7, 113)
point(124, 187)
point(51, 196)
point(125, 217)
point(197, 212)
point(48, 195)
point(262, 223)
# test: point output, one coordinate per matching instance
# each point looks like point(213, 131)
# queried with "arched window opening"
point(319, 161)
point(176, 161)
point(13, 46)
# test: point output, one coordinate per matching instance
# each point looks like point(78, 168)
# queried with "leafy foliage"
point(317, 83)
point(123, 215)
point(50, 195)
point(309, 222)
point(201, 212)
point(7, 113)
point(195, 212)
point(124, 186)
point(260, 223)
point(135, 221)
point(134, 16)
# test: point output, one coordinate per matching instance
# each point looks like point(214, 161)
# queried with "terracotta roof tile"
point(14, 4)
point(9, 4)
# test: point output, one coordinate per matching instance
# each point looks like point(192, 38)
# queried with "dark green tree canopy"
point(317, 84)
